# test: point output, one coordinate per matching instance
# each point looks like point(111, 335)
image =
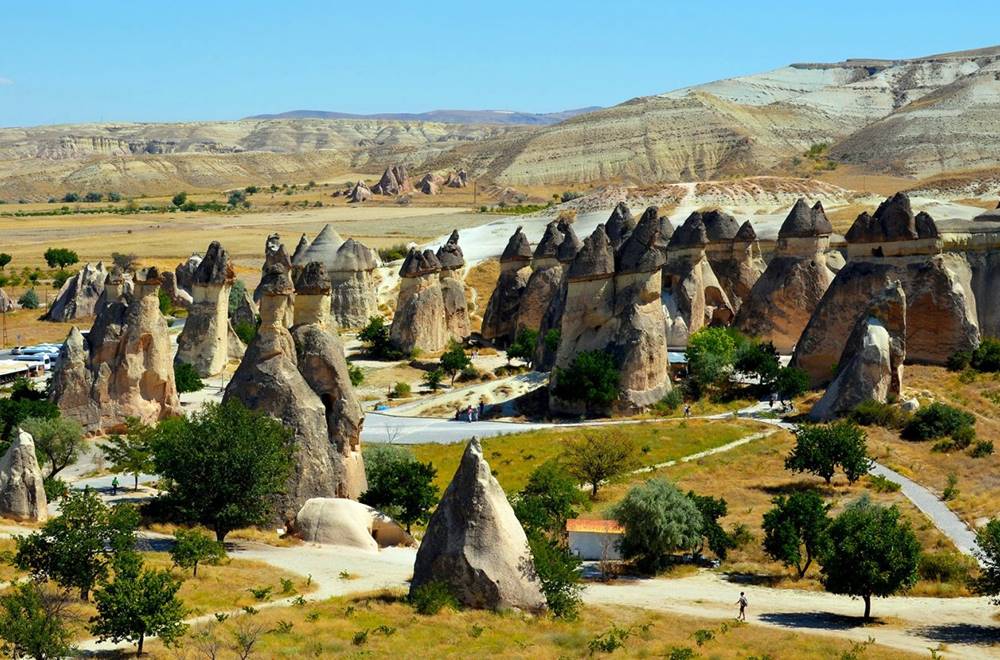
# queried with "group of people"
point(470, 414)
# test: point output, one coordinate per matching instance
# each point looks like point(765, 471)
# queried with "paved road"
point(380, 427)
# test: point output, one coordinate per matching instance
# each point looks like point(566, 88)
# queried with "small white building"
point(594, 540)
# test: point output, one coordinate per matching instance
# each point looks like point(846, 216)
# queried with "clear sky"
point(139, 60)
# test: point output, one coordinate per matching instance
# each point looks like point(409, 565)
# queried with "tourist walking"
point(114, 486)
point(687, 409)
point(742, 602)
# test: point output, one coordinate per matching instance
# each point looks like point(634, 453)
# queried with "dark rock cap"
point(419, 263)
point(518, 248)
point(620, 224)
point(719, 226)
point(149, 276)
point(746, 234)
point(116, 276)
point(926, 227)
point(300, 250)
point(805, 222)
point(595, 259)
point(450, 254)
point(548, 247)
point(690, 234)
point(276, 279)
point(570, 243)
point(313, 280)
point(353, 256)
point(893, 221)
point(639, 253)
point(216, 267)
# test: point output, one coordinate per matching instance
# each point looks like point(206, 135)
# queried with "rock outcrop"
point(245, 311)
point(894, 244)
point(269, 379)
point(393, 182)
point(179, 297)
point(546, 276)
point(127, 368)
point(350, 266)
point(184, 272)
point(459, 179)
point(78, 296)
point(420, 319)
point(7, 304)
point(22, 493)
point(456, 309)
point(275, 257)
point(475, 544)
point(782, 301)
point(359, 193)
point(343, 522)
point(430, 184)
point(619, 225)
point(734, 255)
point(693, 296)
point(204, 343)
point(871, 366)
point(551, 320)
point(500, 317)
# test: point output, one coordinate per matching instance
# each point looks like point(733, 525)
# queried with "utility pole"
point(3, 313)
point(475, 192)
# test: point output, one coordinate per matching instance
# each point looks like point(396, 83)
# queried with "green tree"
point(592, 378)
point(988, 554)
point(60, 257)
point(93, 197)
point(433, 378)
point(179, 199)
point(131, 452)
point(872, 552)
point(186, 377)
point(58, 442)
point(595, 456)
point(454, 360)
point(523, 346)
point(710, 355)
point(711, 509)
point(71, 197)
point(355, 373)
point(236, 295)
point(4, 260)
point(403, 488)
point(33, 622)
point(24, 402)
point(791, 382)
point(76, 548)
point(758, 360)
point(558, 571)
point(224, 465)
point(795, 529)
point(986, 357)
point(237, 198)
point(139, 603)
point(375, 336)
point(166, 304)
point(552, 339)
point(658, 520)
point(820, 449)
point(192, 547)
point(29, 300)
point(548, 500)
point(936, 421)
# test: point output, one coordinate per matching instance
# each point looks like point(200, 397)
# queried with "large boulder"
point(346, 523)
point(22, 493)
point(871, 366)
point(78, 296)
point(420, 321)
point(459, 179)
point(359, 193)
point(204, 343)
point(475, 544)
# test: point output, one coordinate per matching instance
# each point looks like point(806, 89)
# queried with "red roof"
point(595, 526)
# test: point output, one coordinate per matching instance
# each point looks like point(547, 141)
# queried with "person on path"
point(687, 409)
point(482, 408)
point(468, 414)
point(114, 486)
point(742, 602)
point(774, 397)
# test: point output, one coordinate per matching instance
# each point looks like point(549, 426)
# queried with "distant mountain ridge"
point(443, 116)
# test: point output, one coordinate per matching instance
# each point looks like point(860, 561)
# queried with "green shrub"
point(393, 253)
point(981, 449)
point(950, 491)
point(28, 300)
point(187, 378)
point(246, 331)
point(876, 413)
point(432, 597)
point(986, 357)
point(55, 488)
point(670, 403)
point(963, 437)
point(165, 303)
point(881, 484)
point(401, 390)
point(180, 199)
point(936, 421)
point(356, 374)
point(558, 572)
point(959, 361)
point(592, 378)
point(945, 566)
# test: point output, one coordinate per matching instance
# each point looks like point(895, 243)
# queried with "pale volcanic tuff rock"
point(871, 366)
point(895, 245)
point(184, 272)
point(72, 381)
point(393, 182)
point(298, 255)
point(79, 295)
point(453, 288)
point(22, 493)
point(500, 317)
point(350, 266)
point(205, 342)
point(475, 544)
point(459, 179)
point(343, 522)
point(420, 319)
point(693, 296)
point(430, 183)
point(552, 317)
point(783, 299)
point(744, 266)
point(7, 304)
point(359, 193)
point(543, 284)
point(178, 296)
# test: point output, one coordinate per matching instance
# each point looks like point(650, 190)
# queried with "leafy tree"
point(711, 509)
point(759, 360)
point(548, 500)
point(988, 554)
point(93, 197)
point(658, 520)
point(791, 382)
point(710, 355)
point(4, 260)
point(237, 198)
point(59, 278)
point(591, 378)
point(936, 421)
point(872, 552)
point(558, 571)
point(29, 300)
point(192, 547)
point(58, 442)
point(355, 373)
point(23, 403)
point(454, 360)
point(60, 257)
point(375, 336)
point(820, 449)
point(523, 346)
point(224, 464)
point(986, 357)
point(795, 529)
point(236, 294)
point(131, 453)
point(124, 260)
point(179, 199)
point(595, 456)
point(186, 377)
point(552, 338)
point(71, 197)
point(114, 196)
point(433, 378)
point(139, 603)
point(166, 304)
point(76, 548)
point(403, 487)
point(33, 622)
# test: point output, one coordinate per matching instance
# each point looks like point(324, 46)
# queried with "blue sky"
point(64, 62)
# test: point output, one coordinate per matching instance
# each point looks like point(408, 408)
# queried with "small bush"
point(936, 421)
point(55, 488)
point(981, 449)
point(670, 403)
point(393, 253)
point(963, 437)
point(468, 373)
point(187, 378)
point(986, 357)
point(401, 390)
point(246, 331)
point(881, 484)
point(28, 300)
point(430, 598)
point(950, 491)
point(959, 361)
point(876, 413)
point(945, 566)
point(356, 374)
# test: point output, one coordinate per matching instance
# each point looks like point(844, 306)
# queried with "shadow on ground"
point(960, 633)
point(817, 620)
point(752, 578)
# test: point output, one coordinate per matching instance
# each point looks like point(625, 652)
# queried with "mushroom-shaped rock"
point(570, 243)
point(871, 366)
point(344, 522)
point(354, 297)
point(475, 544)
point(453, 288)
point(420, 320)
point(719, 226)
point(639, 254)
point(450, 254)
point(204, 343)
point(72, 381)
point(619, 224)
point(805, 222)
point(595, 260)
point(22, 493)
point(548, 247)
point(518, 248)
point(691, 233)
